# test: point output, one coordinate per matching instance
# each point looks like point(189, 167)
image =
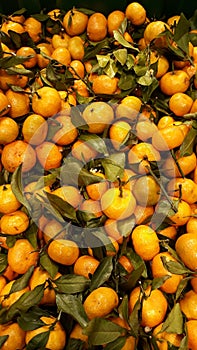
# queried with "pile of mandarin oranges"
point(98, 180)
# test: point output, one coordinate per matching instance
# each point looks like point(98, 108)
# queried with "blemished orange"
point(14, 223)
point(146, 191)
point(26, 51)
point(63, 251)
point(67, 133)
point(158, 270)
point(62, 55)
point(85, 266)
point(135, 13)
point(174, 81)
point(114, 20)
point(163, 339)
point(69, 194)
point(145, 242)
point(191, 327)
point(46, 101)
point(7, 298)
point(8, 201)
point(97, 27)
point(98, 116)
point(100, 302)
point(16, 339)
point(186, 163)
point(75, 22)
point(118, 204)
point(57, 335)
point(22, 255)
point(19, 102)
point(41, 276)
point(34, 28)
point(97, 189)
point(183, 213)
point(188, 305)
point(76, 48)
point(49, 155)
point(16, 153)
point(180, 103)
point(9, 130)
point(184, 188)
point(82, 151)
point(168, 138)
point(34, 129)
point(154, 305)
point(4, 104)
point(186, 248)
point(103, 84)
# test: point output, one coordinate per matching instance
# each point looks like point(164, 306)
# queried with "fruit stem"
point(120, 187)
point(177, 164)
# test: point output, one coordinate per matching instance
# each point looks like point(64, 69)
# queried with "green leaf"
point(22, 282)
point(3, 339)
point(10, 241)
point(123, 308)
point(114, 166)
point(157, 282)
point(87, 178)
point(127, 81)
point(77, 119)
point(174, 321)
point(17, 187)
point(11, 61)
point(103, 60)
point(31, 234)
point(71, 305)
point(73, 344)
point(102, 273)
point(95, 48)
point(30, 320)
point(182, 285)
point(121, 56)
point(64, 208)
point(49, 265)
point(184, 343)
point(95, 142)
point(181, 31)
point(39, 341)
point(119, 37)
point(41, 17)
point(70, 171)
point(3, 262)
point(175, 267)
point(134, 321)
point(126, 226)
point(187, 147)
point(111, 69)
point(102, 331)
point(72, 284)
point(135, 275)
point(19, 12)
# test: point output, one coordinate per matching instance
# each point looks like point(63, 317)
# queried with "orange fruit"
point(7, 79)
point(16, 339)
point(46, 101)
point(91, 206)
point(9, 274)
point(75, 22)
point(141, 154)
point(8, 201)
point(186, 163)
point(67, 133)
point(14, 223)
point(145, 128)
point(118, 204)
point(69, 194)
point(118, 133)
point(81, 87)
point(146, 191)
point(43, 55)
point(4, 104)
point(143, 214)
point(9, 130)
point(100, 302)
point(162, 64)
point(114, 20)
point(3, 282)
point(22, 255)
point(191, 225)
point(60, 40)
point(49, 155)
point(97, 27)
point(98, 115)
point(186, 248)
point(188, 305)
point(135, 13)
point(180, 104)
point(19, 102)
point(145, 242)
point(111, 228)
point(125, 262)
point(34, 129)
point(194, 107)
point(62, 55)
point(77, 333)
point(168, 138)
point(82, 151)
point(191, 327)
point(26, 51)
point(169, 231)
point(163, 339)
point(63, 251)
point(184, 187)
point(7, 298)
point(158, 270)
point(165, 121)
point(16, 153)
point(12, 25)
point(77, 69)
point(154, 305)
point(96, 190)
point(174, 81)
point(76, 48)
point(152, 31)
point(128, 107)
point(183, 213)
point(57, 335)
point(34, 28)
point(41, 276)
point(103, 84)
point(85, 265)
point(53, 229)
